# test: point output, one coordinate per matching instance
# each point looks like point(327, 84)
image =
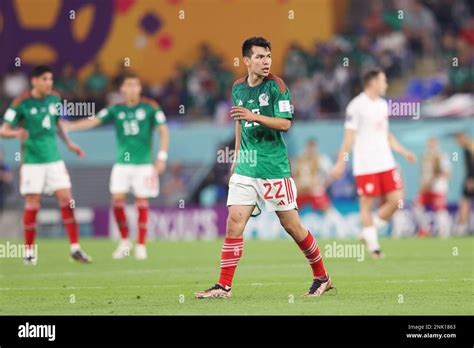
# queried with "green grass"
point(425, 273)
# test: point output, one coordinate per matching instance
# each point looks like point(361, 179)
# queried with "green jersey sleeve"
point(281, 97)
point(159, 116)
point(14, 114)
point(106, 114)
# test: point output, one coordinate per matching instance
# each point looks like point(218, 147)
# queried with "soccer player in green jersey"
point(34, 118)
point(261, 173)
point(134, 121)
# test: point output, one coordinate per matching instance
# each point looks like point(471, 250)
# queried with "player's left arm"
point(282, 111)
point(67, 141)
point(163, 132)
point(240, 113)
point(397, 147)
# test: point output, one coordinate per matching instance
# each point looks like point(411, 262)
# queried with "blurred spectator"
point(96, 84)
point(311, 173)
point(305, 98)
point(15, 82)
point(67, 84)
point(435, 173)
point(467, 32)
point(174, 186)
point(295, 63)
point(6, 179)
point(464, 212)
point(420, 28)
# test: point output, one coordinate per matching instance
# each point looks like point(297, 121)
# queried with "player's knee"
point(235, 226)
point(118, 202)
point(397, 199)
point(290, 226)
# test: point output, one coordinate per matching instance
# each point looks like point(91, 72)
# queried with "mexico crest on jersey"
point(52, 109)
point(263, 99)
point(140, 114)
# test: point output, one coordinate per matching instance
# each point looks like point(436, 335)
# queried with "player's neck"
point(254, 79)
point(132, 102)
point(37, 94)
point(371, 94)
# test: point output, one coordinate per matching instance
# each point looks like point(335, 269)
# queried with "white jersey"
point(369, 119)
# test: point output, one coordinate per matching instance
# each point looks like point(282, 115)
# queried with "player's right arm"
point(102, 117)
point(350, 125)
point(12, 117)
point(238, 135)
point(83, 124)
point(238, 131)
point(343, 155)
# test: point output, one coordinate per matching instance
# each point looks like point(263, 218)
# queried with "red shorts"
point(318, 202)
point(378, 184)
point(433, 200)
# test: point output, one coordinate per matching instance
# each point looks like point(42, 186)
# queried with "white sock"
point(444, 223)
point(75, 247)
point(379, 223)
point(371, 238)
point(460, 230)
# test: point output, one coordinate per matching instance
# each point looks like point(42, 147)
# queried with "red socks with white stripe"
point(70, 224)
point(231, 254)
point(29, 223)
point(142, 222)
point(121, 218)
point(309, 246)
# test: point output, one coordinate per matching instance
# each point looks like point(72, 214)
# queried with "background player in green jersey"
point(134, 120)
point(261, 173)
point(33, 118)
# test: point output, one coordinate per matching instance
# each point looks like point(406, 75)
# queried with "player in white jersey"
point(435, 173)
point(367, 133)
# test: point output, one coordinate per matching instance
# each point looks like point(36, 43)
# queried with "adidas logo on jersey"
point(281, 203)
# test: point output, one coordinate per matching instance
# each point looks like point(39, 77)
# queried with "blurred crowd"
point(322, 79)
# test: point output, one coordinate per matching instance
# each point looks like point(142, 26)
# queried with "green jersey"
point(39, 118)
point(134, 127)
point(262, 152)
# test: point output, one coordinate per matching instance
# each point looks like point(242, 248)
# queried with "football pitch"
point(418, 276)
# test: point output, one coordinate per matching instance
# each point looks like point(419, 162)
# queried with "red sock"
point(121, 219)
point(70, 224)
point(29, 223)
point(142, 223)
point(231, 254)
point(309, 246)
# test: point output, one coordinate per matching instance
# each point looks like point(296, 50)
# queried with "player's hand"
point(160, 167)
point(410, 156)
point(22, 134)
point(239, 113)
point(337, 171)
point(76, 149)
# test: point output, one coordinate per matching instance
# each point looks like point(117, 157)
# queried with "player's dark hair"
point(254, 41)
point(128, 75)
point(40, 70)
point(370, 74)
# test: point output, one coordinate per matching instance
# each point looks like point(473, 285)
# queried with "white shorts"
point(275, 194)
point(140, 179)
point(44, 178)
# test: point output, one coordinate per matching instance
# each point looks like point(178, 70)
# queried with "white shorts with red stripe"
point(275, 194)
